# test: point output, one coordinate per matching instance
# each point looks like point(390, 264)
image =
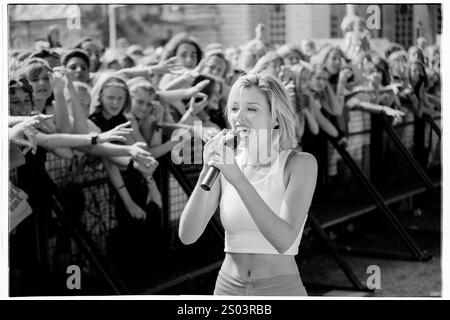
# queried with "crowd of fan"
point(131, 106)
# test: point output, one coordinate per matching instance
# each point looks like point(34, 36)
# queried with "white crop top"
point(241, 233)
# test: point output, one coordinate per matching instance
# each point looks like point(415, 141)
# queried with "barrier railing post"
point(165, 219)
point(376, 148)
point(420, 152)
point(100, 263)
point(409, 157)
point(407, 240)
point(337, 255)
point(432, 124)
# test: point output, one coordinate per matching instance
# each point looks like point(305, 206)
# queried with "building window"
point(404, 26)
point(277, 27)
point(439, 19)
point(335, 28)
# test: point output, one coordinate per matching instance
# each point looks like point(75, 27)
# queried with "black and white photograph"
point(224, 150)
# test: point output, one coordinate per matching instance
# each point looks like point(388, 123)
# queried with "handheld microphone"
point(213, 172)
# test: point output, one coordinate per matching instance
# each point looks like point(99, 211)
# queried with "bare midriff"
point(252, 266)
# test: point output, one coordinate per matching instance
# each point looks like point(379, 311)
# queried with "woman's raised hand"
point(116, 134)
point(197, 107)
point(395, 114)
point(209, 147)
point(157, 111)
point(208, 133)
point(58, 79)
point(395, 87)
point(147, 167)
point(171, 65)
point(195, 91)
point(41, 122)
point(344, 75)
point(139, 153)
point(24, 134)
point(222, 156)
point(135, 211)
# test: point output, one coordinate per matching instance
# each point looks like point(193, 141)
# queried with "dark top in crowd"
point(107, 124)
point(216, 116)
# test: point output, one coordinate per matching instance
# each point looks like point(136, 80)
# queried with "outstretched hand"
point(171, 65)
point(195, 91)
point(58, 79)
point(135, 211)
point(394, 113)
point(24, 134)
point(197, 107)
point(116, 134)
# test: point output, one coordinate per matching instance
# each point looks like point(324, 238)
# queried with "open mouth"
point(242, 130)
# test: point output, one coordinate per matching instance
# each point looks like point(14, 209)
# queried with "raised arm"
point(166, 66)
point(322, 121)
point(201, 204)
point(57, 83)
point(80, 119)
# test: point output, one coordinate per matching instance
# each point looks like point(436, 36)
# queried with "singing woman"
point(264, 194)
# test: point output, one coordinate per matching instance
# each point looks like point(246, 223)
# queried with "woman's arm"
point(65, 153)
point(61, 112)
point(154, 140)
point(311, 120)
point(68, 140)
point(299, 126)
point(119, 185)
point(137, 71)
point(194, 108)
point(198, 210)
point(136, 135)
point(201, 204)
point(119, 154)
point(14, 120)
point(336, 100)
point(325, 124)
point(162, 67)
point(106, 150)
point(80, 124)
point(56, 140)
point(172, 82)
point(179, 94)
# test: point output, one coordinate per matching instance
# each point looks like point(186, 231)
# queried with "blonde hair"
point(264, 62)
point(140, 83)
point(280, 105)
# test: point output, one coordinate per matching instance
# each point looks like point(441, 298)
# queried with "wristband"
point(122, 186)
point(94, 139)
